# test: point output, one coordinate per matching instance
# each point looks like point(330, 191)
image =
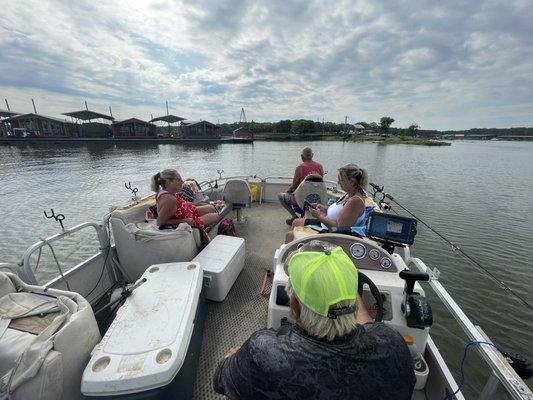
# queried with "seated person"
point(173, 210)
point(191, 192)
point(347, 211)
point(334, 351)
point(307, 167)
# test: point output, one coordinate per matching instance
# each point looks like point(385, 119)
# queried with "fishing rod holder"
point(133, 190)
point(58, 217)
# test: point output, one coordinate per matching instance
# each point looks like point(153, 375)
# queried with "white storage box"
point(150, 339)
point(222, 261)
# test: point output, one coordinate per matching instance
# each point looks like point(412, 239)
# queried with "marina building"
point(133, 128)
point(199, 130)
point(37, 125)
point(243, 133)
point(92, 124)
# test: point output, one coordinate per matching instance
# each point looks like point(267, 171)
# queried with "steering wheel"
point(365, 280)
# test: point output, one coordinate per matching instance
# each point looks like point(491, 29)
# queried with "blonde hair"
point(160, 179)
point(354, 173)
point(323, 327)
point(314, 324)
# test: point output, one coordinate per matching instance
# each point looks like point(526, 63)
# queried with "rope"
point(462, 381)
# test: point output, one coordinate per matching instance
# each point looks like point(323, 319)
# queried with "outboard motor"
point(415, 307)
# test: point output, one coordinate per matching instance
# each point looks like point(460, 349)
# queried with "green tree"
point(283, 126)
point(411, 131)
point(385, 123)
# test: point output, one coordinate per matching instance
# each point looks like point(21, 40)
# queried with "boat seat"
point(46, 337)
point(237, 193)
point(140, 244)
point(313, 192)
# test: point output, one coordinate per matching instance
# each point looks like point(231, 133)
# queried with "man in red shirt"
point(307, 167)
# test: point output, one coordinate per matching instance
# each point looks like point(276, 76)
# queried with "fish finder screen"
point(392, 228)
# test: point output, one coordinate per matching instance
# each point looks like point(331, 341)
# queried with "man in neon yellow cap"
point(334, 351)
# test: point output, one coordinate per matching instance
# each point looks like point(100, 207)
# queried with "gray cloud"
point(457, 64)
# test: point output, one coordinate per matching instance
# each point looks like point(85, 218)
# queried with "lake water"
point(478, 194)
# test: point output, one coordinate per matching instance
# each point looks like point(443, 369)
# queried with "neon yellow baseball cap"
point(322, 279)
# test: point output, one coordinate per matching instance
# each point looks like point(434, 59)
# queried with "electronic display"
point(391, 228)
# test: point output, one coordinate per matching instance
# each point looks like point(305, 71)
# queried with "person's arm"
point(233, 374)
point(362, 317)
point(295, 180)
point(351, 211)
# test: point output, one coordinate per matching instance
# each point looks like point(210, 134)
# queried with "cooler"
point(152, 347)
point(222, 261)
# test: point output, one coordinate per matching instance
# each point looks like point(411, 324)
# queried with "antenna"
point(242, 117)
point(345, 119)
point(7, 104)
point(110, 112)
point(34, 109)
point(167, 106)
point(87, 108)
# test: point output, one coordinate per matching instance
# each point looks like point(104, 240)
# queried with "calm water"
point(479, 194)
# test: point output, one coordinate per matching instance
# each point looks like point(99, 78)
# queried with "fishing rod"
point(502, 284)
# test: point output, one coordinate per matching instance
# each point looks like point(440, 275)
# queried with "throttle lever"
point(410, 277)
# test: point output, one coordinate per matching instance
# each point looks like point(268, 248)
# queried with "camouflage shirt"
point(372, 362)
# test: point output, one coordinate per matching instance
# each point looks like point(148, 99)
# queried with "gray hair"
point(354, 173)
point(307, 153)
point(160, 179)
point(314, 324)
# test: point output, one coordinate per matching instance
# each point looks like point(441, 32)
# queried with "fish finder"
point(392, 229)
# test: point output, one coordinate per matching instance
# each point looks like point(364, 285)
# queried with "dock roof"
point(125, 121)
point(7, 113)
point(87, 115)
point(33, 115)
point(168, 118)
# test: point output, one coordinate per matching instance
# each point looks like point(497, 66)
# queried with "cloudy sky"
point(444, 65)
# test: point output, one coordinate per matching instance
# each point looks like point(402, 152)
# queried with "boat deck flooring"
point(244, 310)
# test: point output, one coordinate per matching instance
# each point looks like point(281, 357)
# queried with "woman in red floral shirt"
point(172, 209)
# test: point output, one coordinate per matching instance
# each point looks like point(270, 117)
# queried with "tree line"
point(384, 126)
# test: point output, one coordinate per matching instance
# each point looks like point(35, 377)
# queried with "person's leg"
point(210, 218)
point(207, 209)
point(289, 237)
point(282, 197)
point(298, 222)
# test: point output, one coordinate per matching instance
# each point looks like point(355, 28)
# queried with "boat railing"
point(499, 366)
point(27, 272)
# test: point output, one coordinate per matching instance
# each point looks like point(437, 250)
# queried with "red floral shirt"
point(184, 210)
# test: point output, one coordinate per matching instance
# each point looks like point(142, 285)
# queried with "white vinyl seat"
point(313, 192)
point(140, 244)
point(237, 193)
point(46, 337)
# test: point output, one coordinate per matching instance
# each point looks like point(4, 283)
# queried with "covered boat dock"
point(172, 131)
point(89, 128)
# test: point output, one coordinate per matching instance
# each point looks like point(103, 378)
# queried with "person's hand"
point(232, 351)
point(190, 221)
point(314, 206)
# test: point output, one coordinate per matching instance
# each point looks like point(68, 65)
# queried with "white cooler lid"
point(147, 342)
point(214, 258)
